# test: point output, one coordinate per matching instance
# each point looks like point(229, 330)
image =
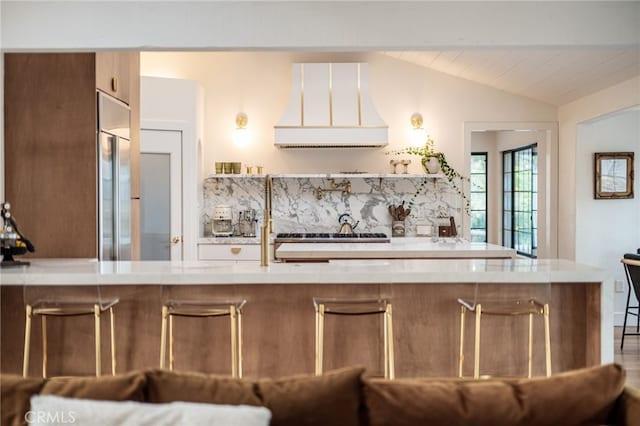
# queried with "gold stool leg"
point(27, 340)
point(234, 341)
point(239, 321)
point(530, 346)
point(113, 342)
point(463, 310)
point(163, 335)
point(547, 339)
point(476, 363)
point(389, 343)
point(319, 338)
point(96, 314)
point(171, 353)
point(44, 346)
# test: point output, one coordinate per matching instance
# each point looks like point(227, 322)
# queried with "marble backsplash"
point(295, 207)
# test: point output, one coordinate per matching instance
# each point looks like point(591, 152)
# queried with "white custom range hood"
point(330, 106)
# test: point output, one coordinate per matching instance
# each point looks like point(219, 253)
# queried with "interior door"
point(161, 195)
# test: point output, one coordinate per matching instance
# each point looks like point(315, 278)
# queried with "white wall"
point(173, 104)
point(606, 229)
point(621, 96)
point(258, 84)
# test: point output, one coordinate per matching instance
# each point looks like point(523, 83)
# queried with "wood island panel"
point(279, 323)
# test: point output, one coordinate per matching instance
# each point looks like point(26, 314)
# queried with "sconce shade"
point(416, 120)
point(241, 133)
point(242, 120)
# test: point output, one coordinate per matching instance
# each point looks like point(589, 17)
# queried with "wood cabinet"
point(51, 147)
point(113, 74)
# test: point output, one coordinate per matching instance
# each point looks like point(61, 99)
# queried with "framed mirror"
point(613, 177)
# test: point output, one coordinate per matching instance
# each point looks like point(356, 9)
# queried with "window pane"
point(478, 163)
point(506, 164)
point(478, 202)
point(478, 220)
point(478, 235)
point(478, 183)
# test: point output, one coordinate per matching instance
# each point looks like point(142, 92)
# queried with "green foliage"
point(427, 151)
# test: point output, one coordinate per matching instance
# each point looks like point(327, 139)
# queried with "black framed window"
point(520, 200)
point(478, 209)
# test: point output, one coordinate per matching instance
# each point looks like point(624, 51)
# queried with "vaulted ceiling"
point(555, 76)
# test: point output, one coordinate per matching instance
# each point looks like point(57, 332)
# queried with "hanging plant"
point(428, 154)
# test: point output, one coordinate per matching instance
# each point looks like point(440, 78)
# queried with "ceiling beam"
point(317, 25)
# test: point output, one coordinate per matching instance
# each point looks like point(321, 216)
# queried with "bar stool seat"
point(327, 306)
point(69, 307)
point(511, 307)
point(203, 309)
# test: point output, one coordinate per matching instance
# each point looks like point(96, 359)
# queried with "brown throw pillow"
point(122, 387)
point(15, 392)
point(167, 386)
point(581, 397)
point(331, 399)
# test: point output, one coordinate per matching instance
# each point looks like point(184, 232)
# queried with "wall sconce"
point(241, 133)
point(419, 135)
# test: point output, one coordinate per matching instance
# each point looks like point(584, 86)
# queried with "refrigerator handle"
point(116, 198)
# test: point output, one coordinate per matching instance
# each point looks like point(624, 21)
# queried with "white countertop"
point(90, 271)
point(398, 248)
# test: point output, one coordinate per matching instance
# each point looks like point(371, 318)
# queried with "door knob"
point(176, 240)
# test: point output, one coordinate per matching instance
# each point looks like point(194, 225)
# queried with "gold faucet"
point(267, 223)
point(344, 187)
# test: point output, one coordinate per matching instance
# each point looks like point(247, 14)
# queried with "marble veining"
point(295, 207)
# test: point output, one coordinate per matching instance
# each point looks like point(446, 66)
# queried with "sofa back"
point(345, 397)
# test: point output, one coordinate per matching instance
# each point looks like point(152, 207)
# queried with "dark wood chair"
point(631, 263)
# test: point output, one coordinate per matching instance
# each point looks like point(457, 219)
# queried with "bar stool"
point(631, 263)
point(203, 309)
point(50, 302)
point(510, 307)
point(355, 307)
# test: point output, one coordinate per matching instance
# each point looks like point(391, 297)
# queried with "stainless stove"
point(322, 237)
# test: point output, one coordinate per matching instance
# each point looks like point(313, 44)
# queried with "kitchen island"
point(278, 319)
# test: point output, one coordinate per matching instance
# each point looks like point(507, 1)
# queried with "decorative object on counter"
point(344, 187)
point(346, 225)
point(222, 224)
point(453, 231)
point(394, 163)
point(249, 169)
point(397, 228)
point(11, 240)
point(398, 215)
point(424, 230)
point(430, 157)
point(219, 167)
point(227, 168)
point(399, 212)
point(236, 168)
point(247, 223)
point(405, 163)
point(260, 169)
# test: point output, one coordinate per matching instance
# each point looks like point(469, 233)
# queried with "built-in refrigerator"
point(114, 179)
